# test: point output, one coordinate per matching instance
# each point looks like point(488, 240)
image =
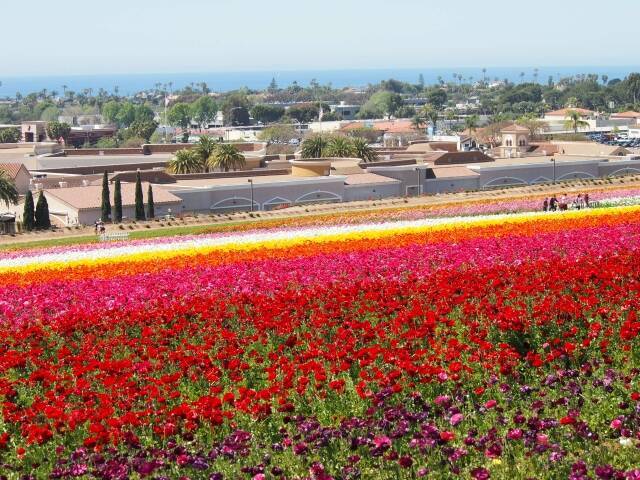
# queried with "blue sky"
point(143, 36)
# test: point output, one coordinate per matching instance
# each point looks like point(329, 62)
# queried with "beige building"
point(515, 141)
point(19, 174)
point(82, 205)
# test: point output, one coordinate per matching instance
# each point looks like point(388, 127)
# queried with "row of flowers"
point(486, 346)
point(614, 196)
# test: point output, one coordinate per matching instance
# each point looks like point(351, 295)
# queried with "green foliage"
point(10, 135)
point(187, 161)
point(151, 210)
point(306, 113)
point(381, 104)
point(117, 202)
point(8, 192)
point(437, 97)
point(43, 222)
point(574, 121)
point(50, 114)
point(106, 201)
point(28, 212)
point(204, 111)
point(238, 117)
point(278, 134)
point(314, 146)
point(340, 147)
point(267, 113)
point(205, 148)
point(124, 114)
point(362, 150)
point(140, 215)
point(107, 142)
point(227, 157)
point(57, 130)
point(180, 115)
point(144, 128)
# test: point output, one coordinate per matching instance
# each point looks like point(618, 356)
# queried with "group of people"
point(553, 204)
point(99, 226)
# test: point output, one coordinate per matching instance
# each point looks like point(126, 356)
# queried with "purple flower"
point(405, 461)
point(480, 474)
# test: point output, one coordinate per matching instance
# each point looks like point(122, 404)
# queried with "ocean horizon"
point(129, 84)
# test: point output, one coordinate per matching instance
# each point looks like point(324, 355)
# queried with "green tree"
point(43, 222)
point(574, 121)
point(633, 85)
point(180, 116)
point(139, 199)
point(417, 122)
point(204, 111)
point(267, 113)
point(8, 192)
point(57, 130)
point(186, 161)
point(227, 157)
point(533, 124)
point(314, 146)
point(10, 135)
point(340, 147)
point(437, 97)
point(381, 104)
point(106, 201)
point(363, 150)
point(28, 213)
point(205, 148)
point(471, 123)
point(278, 134)
point(117, 202)
point(144, 128)
point(432, 115)
point(151, 209)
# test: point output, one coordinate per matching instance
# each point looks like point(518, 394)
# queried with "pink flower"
point(259, 476)
point(616, 424)
point(490, 403)
point(456, 419)
point(514, 434)
point(382, 441)
point(542, 439)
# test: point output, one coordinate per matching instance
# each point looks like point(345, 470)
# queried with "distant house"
point(82, 205)
point(347, 112)
point(563, 113)
point(19, 174)
point(629, 115)
point(634, 131)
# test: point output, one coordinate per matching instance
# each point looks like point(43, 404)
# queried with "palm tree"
point(362, 150)
point(205, 147)
point(226, 157)
point(187, 161)
point(417, 122)
point(340, 147)
point(432, 115)
point(471, 124)
point(574, 121)
point(314, 147)
point(8, 192)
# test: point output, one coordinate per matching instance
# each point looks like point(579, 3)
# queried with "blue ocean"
point(128, 84)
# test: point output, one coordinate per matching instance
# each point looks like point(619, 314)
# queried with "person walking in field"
point(553, 203)
point(545, 205)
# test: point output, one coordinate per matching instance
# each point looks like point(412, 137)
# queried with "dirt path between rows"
point(533, 191)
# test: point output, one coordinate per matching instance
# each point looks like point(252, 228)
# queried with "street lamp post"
point(554, 169)
point(419, 184)
point(250, 180)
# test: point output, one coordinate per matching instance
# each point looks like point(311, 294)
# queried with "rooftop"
point(563, 112)
point(12, 169)
point(368, 179)
point(89, 198)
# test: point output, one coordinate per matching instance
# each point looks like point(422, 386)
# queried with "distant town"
point(70, 158)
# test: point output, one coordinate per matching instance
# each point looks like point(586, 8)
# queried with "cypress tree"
point(117, 202)
point(151, 210)
point(106, 202)
point(28, 214)
point(42, 213)
point(139, 200)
